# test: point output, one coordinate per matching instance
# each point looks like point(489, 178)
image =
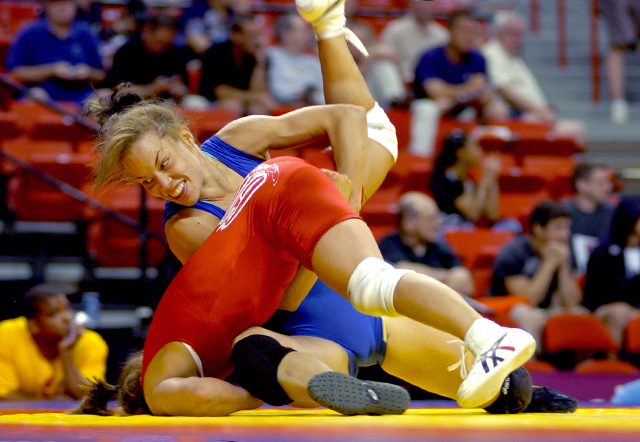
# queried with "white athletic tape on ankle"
point(381, 130)
point(371, 287)
point(325, 33)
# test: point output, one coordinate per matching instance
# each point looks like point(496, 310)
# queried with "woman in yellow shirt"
point(45, 354)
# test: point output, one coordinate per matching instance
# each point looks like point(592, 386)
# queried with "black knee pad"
point(257, 358)
point(515, 393)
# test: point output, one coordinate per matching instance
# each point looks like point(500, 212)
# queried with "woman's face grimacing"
point(167, 167)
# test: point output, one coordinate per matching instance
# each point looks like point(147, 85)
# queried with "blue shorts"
point(326, 314)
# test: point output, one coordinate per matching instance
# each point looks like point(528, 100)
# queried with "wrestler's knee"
point(372, 285)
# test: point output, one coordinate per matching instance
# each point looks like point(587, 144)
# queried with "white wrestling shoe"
point(314, 11)
point(498, 351)
point(328, 20)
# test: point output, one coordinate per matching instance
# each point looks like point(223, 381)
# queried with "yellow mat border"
point(610, 419)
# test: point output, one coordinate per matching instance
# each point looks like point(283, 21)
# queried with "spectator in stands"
point(538, 267)
point(464, 202)
point(234, 72)
point(452, 81)
point(416, 245)
point(89, 11)
point(57, 56)
point(612, 287)
point(151, 61)
point(45, 354)
point(381, 68)
point(208, 22)
point(413, 35)
point(294, 75)
point(621, 19)
point(515, 83)
point(119, 33)
point(590, 210)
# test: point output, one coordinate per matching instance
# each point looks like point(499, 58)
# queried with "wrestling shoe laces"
point(463, 355)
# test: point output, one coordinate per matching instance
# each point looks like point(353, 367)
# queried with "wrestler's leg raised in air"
point(344, 84)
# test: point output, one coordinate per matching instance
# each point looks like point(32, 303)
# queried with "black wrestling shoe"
point(548, 400)
point(348, 395)
point(515, 395)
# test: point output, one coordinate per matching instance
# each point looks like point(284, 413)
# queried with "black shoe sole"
point(348, 395)
point(548, 400)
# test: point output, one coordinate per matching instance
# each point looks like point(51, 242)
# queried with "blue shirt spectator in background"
point(57, 54)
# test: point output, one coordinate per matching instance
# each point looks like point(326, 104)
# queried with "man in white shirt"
point(514, 81)
point(414, 34)
point(294, 75)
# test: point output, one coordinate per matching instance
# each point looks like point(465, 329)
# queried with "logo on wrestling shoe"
point(491, 354)
point(250, 185)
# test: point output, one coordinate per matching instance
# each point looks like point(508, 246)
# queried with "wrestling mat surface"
point(425, 421)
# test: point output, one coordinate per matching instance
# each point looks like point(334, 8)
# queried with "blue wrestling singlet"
point(323, 313)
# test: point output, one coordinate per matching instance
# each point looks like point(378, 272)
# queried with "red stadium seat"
point(577, 332)
point(205, 123)
point(519, 205)
point(536, 365)
point(33, 199)
point(482, 281)
point(502, 305)
point(632, 336)
point(548, 145)
point(401, 120)
point(46, 126)
point(14, 14)
point(521, 182)
point(381, 211)
point(414, 172)
point(477, 248)
point(110, 242)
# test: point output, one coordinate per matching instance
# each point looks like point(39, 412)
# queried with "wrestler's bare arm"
point(343, 124)
point(172, 387)
point(186, 231)
point(197, 396)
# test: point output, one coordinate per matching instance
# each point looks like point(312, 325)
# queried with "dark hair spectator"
point(538, 266)
point(590, 209)
point(547, 211)
point(234, 73)
point(464, 201)
point(612, 286)
point(151, 61)
point(45, 354)
point(36, 296)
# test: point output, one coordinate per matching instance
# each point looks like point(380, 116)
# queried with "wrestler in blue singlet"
point(323, 313)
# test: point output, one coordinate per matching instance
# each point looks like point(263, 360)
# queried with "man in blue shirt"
point(455, 75)
point(57, 54)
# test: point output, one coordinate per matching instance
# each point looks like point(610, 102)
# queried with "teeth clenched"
point(176, 192)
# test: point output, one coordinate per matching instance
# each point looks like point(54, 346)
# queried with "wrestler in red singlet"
point(237, 277)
